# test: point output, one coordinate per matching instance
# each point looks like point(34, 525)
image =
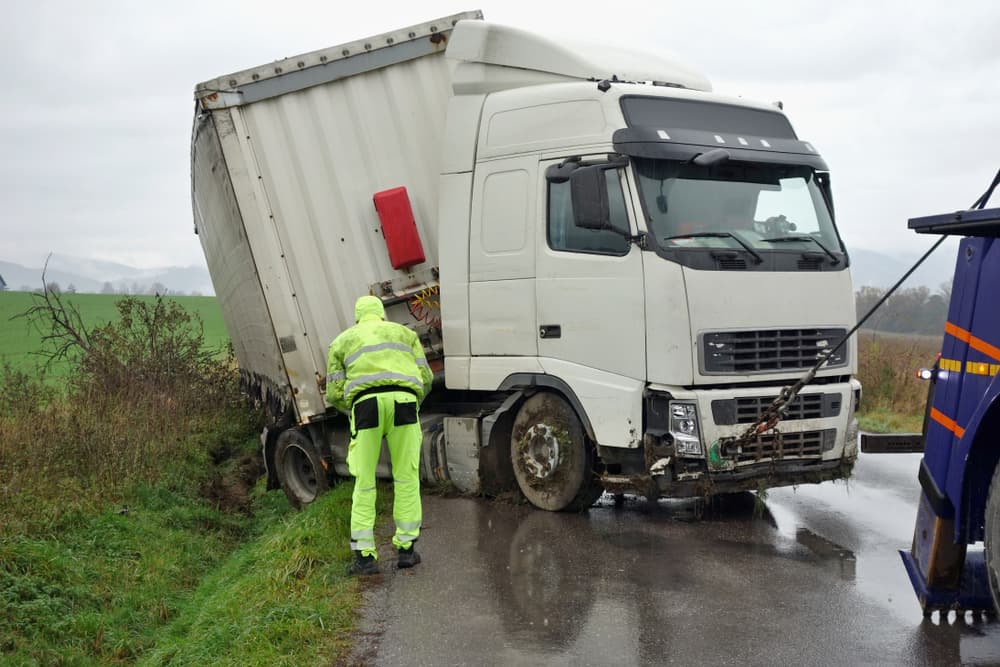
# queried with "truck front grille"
point(770, 350)
point(744, 410)
point(808, 444)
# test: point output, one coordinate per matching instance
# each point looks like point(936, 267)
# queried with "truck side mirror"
point(589, 192)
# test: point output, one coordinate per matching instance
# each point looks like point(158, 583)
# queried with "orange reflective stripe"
point(947, 422)
point(977, 344)
point(981, 345)
point(956, 332)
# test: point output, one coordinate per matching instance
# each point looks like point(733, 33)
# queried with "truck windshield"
point(748, 207)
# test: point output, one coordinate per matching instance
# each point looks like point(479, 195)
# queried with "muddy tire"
point(299, 467)
point(552, 459)
point(992, 538)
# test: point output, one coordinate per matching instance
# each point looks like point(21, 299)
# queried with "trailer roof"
point(475, 41)
point(329, 64)
point(504, 46)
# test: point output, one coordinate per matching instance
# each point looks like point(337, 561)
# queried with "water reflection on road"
point(807, 576)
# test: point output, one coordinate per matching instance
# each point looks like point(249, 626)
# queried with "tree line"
point(913, 310)
point(135, 289)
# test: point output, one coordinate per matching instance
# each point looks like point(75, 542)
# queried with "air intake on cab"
point(399, 228)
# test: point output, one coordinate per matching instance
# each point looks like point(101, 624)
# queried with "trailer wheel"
point(299, 467)
point(553, 462)
point(992, 538)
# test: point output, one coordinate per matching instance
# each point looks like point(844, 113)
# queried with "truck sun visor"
point(399, 228)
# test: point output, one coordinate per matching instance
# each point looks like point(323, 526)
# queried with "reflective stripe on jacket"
point(375, 353)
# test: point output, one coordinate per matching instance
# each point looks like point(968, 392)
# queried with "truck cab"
point(658, 255)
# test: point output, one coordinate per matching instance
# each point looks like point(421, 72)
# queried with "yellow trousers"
point(392, 415)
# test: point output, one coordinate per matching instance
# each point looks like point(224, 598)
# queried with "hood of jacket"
point(368, 308)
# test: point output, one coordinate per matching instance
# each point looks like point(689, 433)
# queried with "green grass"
point(133, 523)
point(893, 399)
point(881, 420)
point(19, 340)
point(165, 578)
point(283, 599)
point(98, 588)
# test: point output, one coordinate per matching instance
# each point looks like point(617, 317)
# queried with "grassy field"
point(134, 524)
point(893, 397)
point(19, 340)
point(175, 581)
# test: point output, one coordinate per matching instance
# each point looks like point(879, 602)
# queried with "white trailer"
point(612, 268)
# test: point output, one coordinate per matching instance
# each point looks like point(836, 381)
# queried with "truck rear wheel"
point(553, 462)
point(299, 467)
point(992, 538)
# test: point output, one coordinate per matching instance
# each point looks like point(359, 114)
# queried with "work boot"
point(407, 558)
point(363, 565)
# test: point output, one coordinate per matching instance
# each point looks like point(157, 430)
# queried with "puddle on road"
point(734, 507)
point(536, 576)
point(980, 645)
point(656, 565)
point(964, 640)
point(784, 539)
point(841, 559)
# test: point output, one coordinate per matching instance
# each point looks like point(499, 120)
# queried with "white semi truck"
point(613, 269)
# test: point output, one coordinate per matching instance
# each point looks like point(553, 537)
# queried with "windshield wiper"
point(718, 235)
point(802, 237)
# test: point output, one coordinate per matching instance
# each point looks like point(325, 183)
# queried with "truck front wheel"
point(299, 467)
point(553, 462)
point(992, 538)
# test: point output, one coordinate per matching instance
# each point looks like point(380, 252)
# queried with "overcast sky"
point(901, 98)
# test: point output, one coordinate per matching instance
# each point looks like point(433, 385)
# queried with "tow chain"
point(768, 419)
point(774, 413)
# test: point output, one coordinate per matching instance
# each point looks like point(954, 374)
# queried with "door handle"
point(550, 331)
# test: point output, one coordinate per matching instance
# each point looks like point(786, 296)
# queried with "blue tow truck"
point(960, 470)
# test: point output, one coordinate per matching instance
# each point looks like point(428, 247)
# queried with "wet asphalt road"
point(811, 578)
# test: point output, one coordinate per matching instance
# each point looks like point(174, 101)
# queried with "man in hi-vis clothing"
point(377, 372)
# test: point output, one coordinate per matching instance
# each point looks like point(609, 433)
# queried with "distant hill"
point(90, 276)
point(868, 268)
point(876, 269)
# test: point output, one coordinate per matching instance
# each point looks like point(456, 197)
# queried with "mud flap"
point(461, 440)
point(268, 441)
point(450, 453)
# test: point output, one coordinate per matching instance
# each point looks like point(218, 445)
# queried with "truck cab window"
point(794, 203)
point(564, 235)
point(777, 211)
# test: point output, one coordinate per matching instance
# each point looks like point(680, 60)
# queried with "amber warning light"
point(399, 229)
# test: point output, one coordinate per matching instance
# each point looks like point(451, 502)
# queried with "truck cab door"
point(589, 285)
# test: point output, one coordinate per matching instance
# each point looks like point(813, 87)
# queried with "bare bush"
point(887, 365)
point(143, 399)
point(154, 349)
point(64, 335)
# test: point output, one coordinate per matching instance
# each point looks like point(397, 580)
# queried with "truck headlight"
point(684, 427)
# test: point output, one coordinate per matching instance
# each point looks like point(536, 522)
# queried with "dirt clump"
point(229, 489)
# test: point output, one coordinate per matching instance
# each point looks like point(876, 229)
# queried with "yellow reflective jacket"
point(374, 353)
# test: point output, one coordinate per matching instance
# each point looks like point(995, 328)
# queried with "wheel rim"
point(300, 473)
point(540, 453)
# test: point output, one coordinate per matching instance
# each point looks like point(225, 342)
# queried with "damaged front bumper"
point(694, 481)
point(815, 442)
